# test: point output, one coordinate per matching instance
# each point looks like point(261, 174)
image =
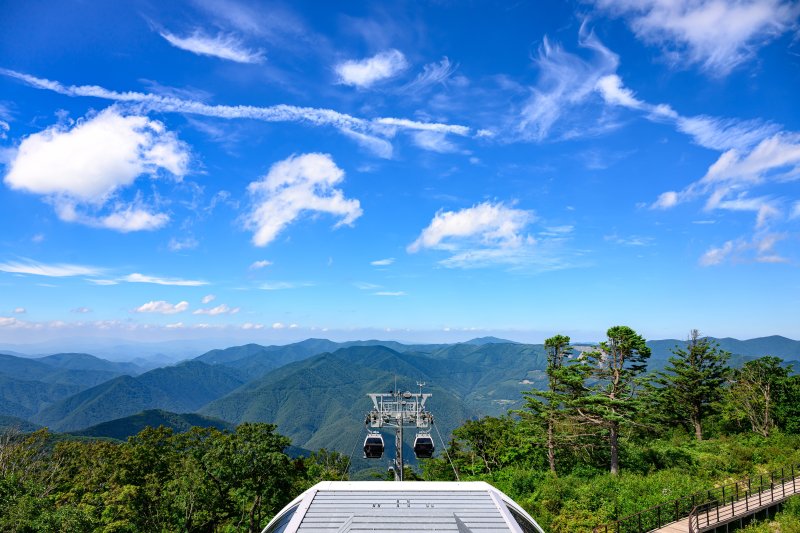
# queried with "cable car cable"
point(445, 451)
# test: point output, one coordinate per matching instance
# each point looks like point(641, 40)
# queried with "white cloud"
point(565, 81)
point(257, 265)
point(141, 278)
point(208, 298)
point(380, 147)
point(19, 311)
point(81, 310)
point(432, 74)
point(761, 249)
point(296, 185)
point(717, 35)
point(774, 160)
point(278, 325)
point(716, 255)
point(221, 309)
point(389, 293)
point(175, 325)
point(86, 164)
point(365, 286)
point(282, 285)
point(795, 210)
point(487, 224)
point(222, 46)
point(125, 220)
point(9, 321)
point(347, 124)
point(177, 245)
point(383, 262)
point(162, 307)
point(4, 128)
point(250, 325)
point(366, 72)
point(666, 200)
point(58, 270)
point(492, 234)
point(613, 92)
point(435, 142)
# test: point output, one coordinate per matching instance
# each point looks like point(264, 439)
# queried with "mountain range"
point(314, 390)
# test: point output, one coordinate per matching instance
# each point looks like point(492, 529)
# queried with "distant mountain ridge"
point(314, 389)
point(122, 428)
point(184, 387)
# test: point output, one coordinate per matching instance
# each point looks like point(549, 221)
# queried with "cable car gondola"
point(373, 446)
point(423, 446)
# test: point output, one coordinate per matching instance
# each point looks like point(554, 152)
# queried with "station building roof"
point(395, 507)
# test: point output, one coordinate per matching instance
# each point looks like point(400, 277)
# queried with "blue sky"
point(417, 171)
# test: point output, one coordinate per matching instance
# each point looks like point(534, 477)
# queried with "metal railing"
point(704, 505)
point(782, 484)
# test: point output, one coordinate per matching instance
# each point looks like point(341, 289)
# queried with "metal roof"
point(344, 506)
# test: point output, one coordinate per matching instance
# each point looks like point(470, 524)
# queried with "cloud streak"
point(221, 46)
point(718, 36)
point(380, 127)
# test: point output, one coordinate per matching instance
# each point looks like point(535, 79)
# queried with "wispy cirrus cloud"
point(566, 81)
point(436, 73)
point(258, 265)
point(221, 309)
point(56, 270)
point(495, 234)
point(221, 46)
point(297, 185)
point(373, 133)
point(719, 36)
point(382, 262)
point(178, 282)
point(755, 153)
point(364, 73)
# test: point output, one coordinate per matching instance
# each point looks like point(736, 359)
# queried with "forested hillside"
point(580, 436)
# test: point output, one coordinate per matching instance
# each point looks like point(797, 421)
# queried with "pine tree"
point(548, 405)
point(610, 375)
point(692, 381)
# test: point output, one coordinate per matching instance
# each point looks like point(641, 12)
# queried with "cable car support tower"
point(398, 410)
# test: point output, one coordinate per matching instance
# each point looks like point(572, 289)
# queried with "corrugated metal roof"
point(460, 507)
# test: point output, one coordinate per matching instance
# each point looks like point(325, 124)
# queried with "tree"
point(549, 408)
point(692, 381)
point(754, 390)
point(609, 376)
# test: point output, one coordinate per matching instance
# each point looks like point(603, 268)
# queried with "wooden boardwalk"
point(710, 516)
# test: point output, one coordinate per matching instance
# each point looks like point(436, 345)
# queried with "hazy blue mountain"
point(85, 361)
point(256, 360)
point(23, 398)
point(741, 351)
point(321, 401)
point(122, 428)
point(12, 423)
point(182, 388)
point(489, 340)
point(56, 370)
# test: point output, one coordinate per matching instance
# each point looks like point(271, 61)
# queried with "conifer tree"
point(548, 406)
point(692, 381)
point(610, 375)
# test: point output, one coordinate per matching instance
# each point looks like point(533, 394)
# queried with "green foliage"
point(201, 480)
point(690, 386)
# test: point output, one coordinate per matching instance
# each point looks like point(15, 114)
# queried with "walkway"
point(715, 514)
